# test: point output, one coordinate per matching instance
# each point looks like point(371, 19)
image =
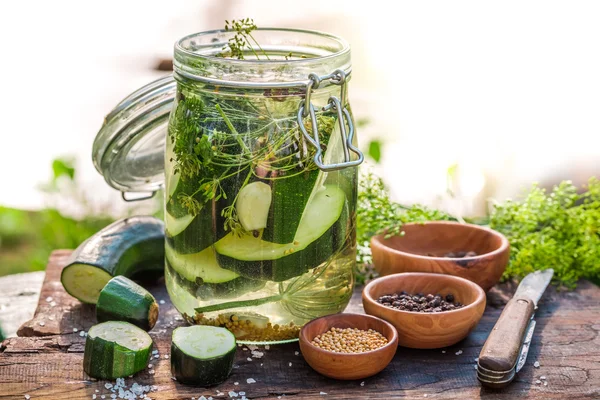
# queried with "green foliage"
point(559, 230)
point(376, 213)
point(241, 40)
point(375, 150)
point(28, 237)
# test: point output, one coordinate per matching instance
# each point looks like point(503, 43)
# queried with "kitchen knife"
point(505, 351)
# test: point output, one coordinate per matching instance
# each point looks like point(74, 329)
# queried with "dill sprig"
point(242, 39)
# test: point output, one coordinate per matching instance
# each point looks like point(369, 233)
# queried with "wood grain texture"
point(423, 248)
point(501, 351)
point(427, 330)
point(566, 343)
point(347, 366)
point(19, 296)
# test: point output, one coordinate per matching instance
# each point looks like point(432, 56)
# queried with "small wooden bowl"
point(427, 330)
point(343, 365)
point(424, 245)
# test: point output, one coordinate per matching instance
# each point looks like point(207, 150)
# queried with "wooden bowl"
point(343, 365)
point(424, 245)
point(427, 330)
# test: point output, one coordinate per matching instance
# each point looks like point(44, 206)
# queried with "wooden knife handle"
point(501, 350)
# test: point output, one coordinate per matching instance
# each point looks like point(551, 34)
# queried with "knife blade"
point(505, 350)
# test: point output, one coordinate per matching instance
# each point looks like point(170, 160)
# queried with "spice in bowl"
point(349, 340)
point(419, 302)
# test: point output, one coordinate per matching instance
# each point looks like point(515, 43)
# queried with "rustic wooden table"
point(45, 361)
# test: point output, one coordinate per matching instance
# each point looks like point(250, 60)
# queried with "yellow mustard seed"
point(349, 340)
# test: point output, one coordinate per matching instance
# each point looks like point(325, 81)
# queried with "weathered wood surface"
point(46, 362)
point(19, 296)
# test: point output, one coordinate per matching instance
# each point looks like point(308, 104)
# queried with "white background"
point(509, 91)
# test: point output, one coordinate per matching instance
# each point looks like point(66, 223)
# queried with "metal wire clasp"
point(338, 77)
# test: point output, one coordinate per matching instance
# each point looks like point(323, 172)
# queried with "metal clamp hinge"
point(336, 104)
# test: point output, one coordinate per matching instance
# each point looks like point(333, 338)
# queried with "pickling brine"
point(260, 179)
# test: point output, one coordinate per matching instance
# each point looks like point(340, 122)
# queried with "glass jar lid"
point(129, 148)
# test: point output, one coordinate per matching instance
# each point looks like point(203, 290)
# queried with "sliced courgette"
point(125, 247)
point(124, 300)
point(320, 234)
point(202, 265)
point(206, 291)
point(290, 196)
point(116, 349)
point(202, 355)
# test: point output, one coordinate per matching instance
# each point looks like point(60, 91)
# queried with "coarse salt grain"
point(538, 382)
point(296, 353)
point(236, 383)
point(245, 349)
point(53, 304)
point(150, 366)
point(249, 359)
point(27, 396)
point(151, 372)
point(93, 396)
point(542, 377)
point(162, 302)
point(82, 334)
point(48, 299)
point(267, 347)
point(42, 323)
point(154, 352)
point(242, 393)
point(290, 364)
point(362, 383)
point(458, 353)
point(232, 394)
point(75, 329)
point(322, 393)
point(166, 357)
point(108, 385)
point(250, 380)
point(545, 383)
point(443, 351)
point(536, 364)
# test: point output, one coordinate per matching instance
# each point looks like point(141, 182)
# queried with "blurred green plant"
point(28, 237)
point(559, 230)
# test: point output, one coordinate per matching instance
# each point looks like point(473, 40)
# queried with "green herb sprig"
point(242, 39)
point(559, 230)
point(376, 213)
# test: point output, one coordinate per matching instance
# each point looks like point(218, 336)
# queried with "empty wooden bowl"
point(347, 365)
point(424, 246)
point(420, 330)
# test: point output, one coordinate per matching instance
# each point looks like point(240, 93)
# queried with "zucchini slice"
point(202, 265)
point(209, 291)
point(320, 234)
point(202, 355)
point(124, 300)
point(116, 349)
point(125, 247)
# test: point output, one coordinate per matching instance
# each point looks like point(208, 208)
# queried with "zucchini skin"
point(124, 300)
point(191, 371)
point(207, 291)
point(294, 264)
point(290, 197)
point(107, 360)
point(125, 247)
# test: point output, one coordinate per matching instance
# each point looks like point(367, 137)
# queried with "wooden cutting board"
point(45, 361)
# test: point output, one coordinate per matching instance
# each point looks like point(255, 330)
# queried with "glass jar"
point(260, 178)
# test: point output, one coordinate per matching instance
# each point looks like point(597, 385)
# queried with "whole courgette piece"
point(125, 247)
point(124, 300)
